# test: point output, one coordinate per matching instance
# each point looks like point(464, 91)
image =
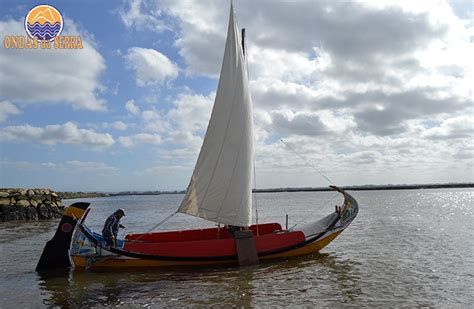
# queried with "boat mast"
point(243, 44)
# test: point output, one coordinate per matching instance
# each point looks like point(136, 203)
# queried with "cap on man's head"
point(120, 212)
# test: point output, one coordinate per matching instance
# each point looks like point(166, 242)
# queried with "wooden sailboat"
point(219, 191)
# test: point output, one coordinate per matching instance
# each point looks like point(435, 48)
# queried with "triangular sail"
point(221, 185)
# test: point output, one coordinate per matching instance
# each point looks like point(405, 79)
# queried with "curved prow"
point(350, 208)
point(56, 252)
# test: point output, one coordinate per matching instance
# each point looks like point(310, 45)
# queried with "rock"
point(43, 212)
point(31, 213)
point(23, 203)
point(4, 201)
point(55, 210)
point(14, 213)
point(38, 197)
point(21, 197)
point(30, 204)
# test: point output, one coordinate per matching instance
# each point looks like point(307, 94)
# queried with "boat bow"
point(350, 207)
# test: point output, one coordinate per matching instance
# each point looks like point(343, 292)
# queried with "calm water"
point(405, 249)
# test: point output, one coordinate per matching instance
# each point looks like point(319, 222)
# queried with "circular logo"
point(66, 227)
point(44, 22)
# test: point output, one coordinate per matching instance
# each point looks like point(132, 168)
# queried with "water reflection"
point(325, 276)
point(55, 287)
point(73, 288)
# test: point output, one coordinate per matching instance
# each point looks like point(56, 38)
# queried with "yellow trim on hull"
point(114, 261)
point(74, 212)
point(308, 249)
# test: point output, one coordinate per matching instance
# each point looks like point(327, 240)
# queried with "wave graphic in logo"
point(44, 22)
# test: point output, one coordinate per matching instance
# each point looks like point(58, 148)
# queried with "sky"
point(367, 92)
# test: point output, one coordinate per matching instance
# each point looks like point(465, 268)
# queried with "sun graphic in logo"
point(44, 22)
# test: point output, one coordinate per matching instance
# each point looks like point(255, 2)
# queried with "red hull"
point(211, 242)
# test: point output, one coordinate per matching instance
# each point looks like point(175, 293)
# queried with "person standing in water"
point(111, 227)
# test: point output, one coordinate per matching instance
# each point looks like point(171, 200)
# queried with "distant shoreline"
point(371, 188)
point(75, 195)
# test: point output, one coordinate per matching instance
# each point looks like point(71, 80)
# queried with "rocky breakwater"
point(29, 204)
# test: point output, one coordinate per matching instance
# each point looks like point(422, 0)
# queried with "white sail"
point(221, 185)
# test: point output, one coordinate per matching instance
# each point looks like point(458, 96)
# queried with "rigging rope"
point(319, 172)
point(306, 217)
point(255, 195)
point(157, 225)
point(329, 180)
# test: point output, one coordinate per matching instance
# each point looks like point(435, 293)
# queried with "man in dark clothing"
point(111, 227)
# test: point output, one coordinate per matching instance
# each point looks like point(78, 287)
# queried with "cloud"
point(188, 120)
point(74, 166)
point(150, 66)
point(67, 133)
point(388, 113)
point(50, 76)
point(96, 168)
point(191, 112)
point(117, 125)
point(342, 29)
point(165, 169)
point(200, 40)
point(459, 127)
point(154, 121)
point(132, 108)
point(142, 15)
point(288, 122)
point(7, 109)
point(182, 126)
point(139, 139)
